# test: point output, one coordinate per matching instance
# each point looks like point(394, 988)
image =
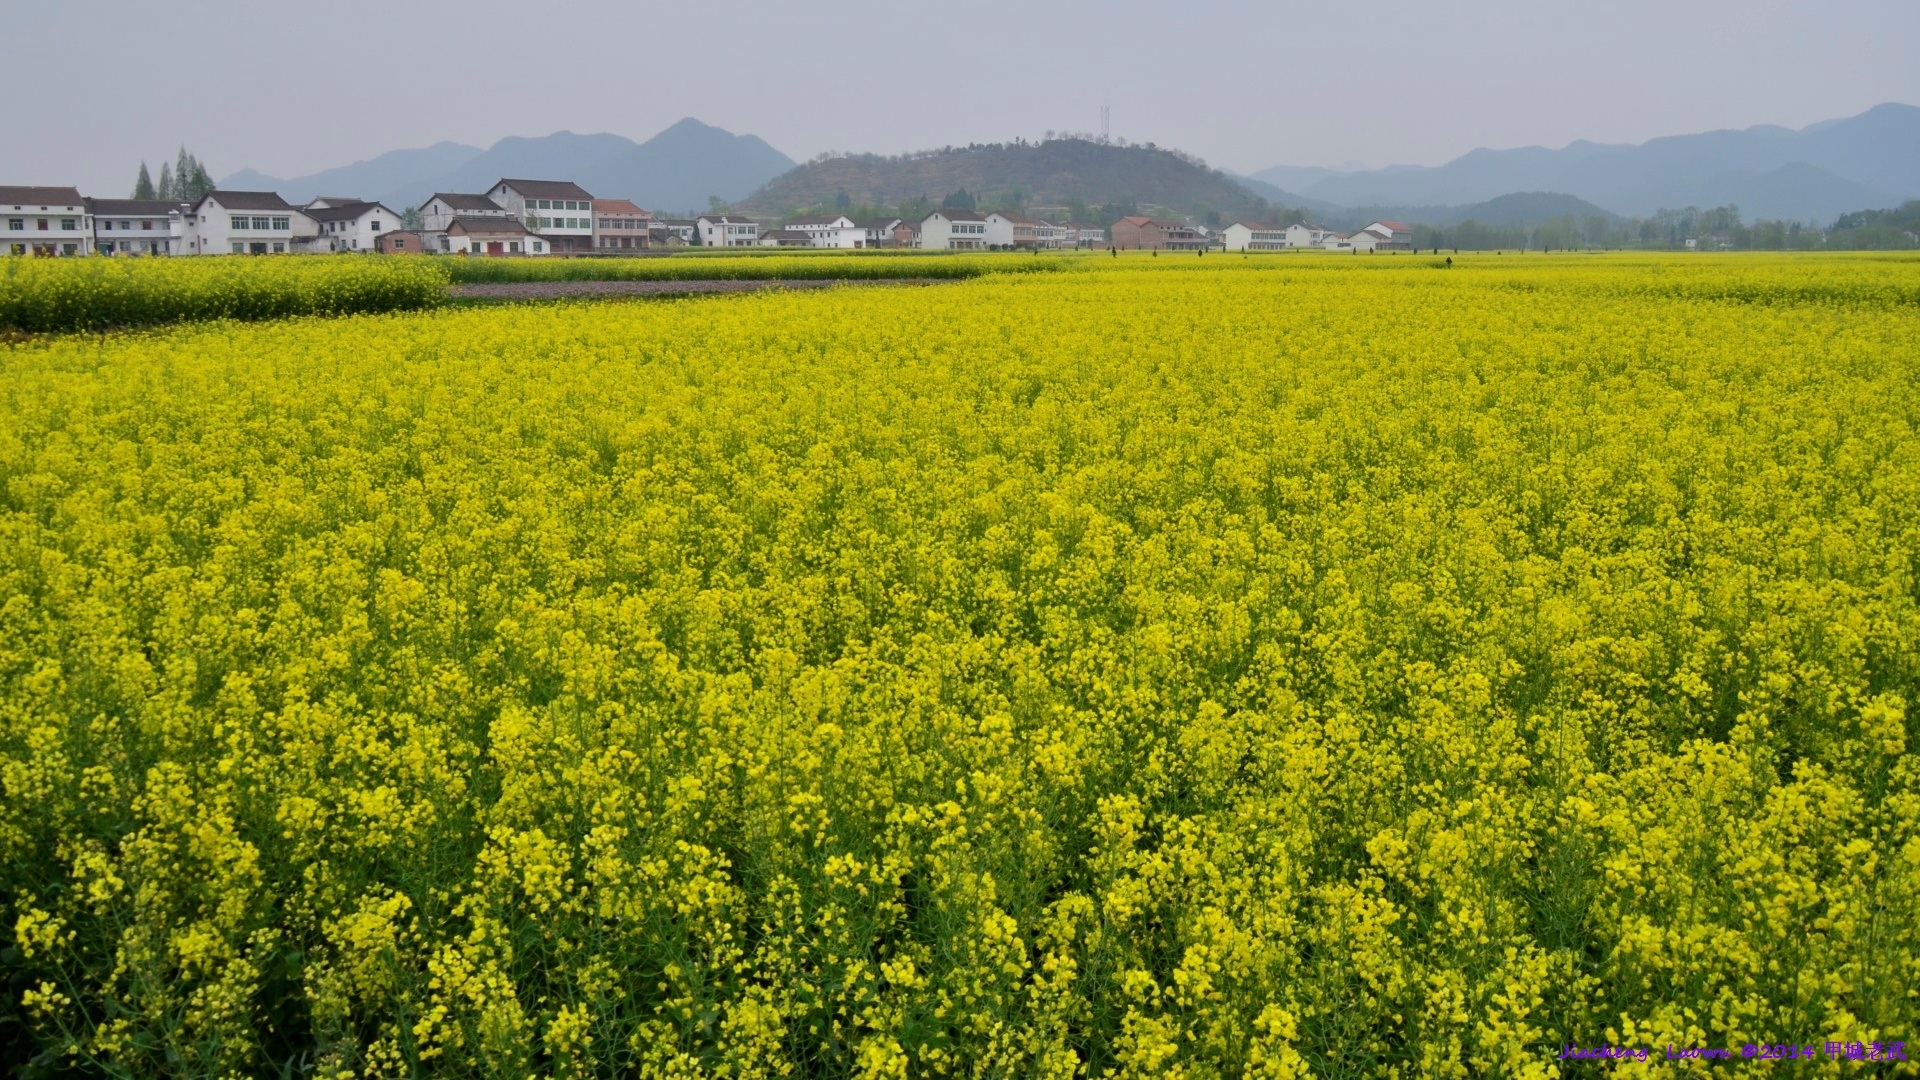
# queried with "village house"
point(1389, 236)
point(438, 212)
point(401, 242)
point(559, 212)
point(1007, 229)
point(1305, 235)
point(889, 232)
point(673, 231)
point(619, 225)
point(839, 231)
point(1253, 236)
point(720, 230)
point(1078, 235)
point(137, 226)
point(245, 223)
point(349, 226)
point(1337, 241)
point(45, 221)
point(1144, 234)
point(785, 238)
point(954, 230)
point(488, 234)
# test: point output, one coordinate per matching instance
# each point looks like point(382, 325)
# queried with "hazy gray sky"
point(293, 88)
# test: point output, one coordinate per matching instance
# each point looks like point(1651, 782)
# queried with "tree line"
point(184, 179)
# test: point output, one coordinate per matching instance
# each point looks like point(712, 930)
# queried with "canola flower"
point(63, 295)
point(712, 264)
point(1191, 668)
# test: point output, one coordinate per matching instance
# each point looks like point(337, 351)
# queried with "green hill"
point(1057, 173)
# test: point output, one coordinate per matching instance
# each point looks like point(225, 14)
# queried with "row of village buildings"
point(558, 217)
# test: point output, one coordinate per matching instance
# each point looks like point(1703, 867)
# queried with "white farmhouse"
point(1305, 235)
point(438, 212)
point(138, 226)
point(1337, 241)
point(558, 211)
point(885, 232)
point(351, 227)
point(1253, 236)
point(490, 234)
point(954, 230)
point(45, 221)
point(1390, 235)
point(719, 230)
point(245, 223)
point(839, 231)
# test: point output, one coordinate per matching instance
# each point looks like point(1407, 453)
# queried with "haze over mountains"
point(1813, 174)
point(1816, 173)
point(677, 169)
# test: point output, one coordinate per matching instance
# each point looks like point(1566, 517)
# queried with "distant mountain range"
point(676, 170)
point(1813, 174)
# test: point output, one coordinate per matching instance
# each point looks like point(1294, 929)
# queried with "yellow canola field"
point(1198, 667)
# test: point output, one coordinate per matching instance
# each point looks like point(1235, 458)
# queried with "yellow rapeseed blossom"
point(1275, 666)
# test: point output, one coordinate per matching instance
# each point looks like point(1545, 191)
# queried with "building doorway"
point(495, 247)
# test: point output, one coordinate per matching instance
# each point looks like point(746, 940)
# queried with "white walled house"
point(954, 230)
point(324, 202)
point(1391, 235)
point(888, 232)
point(839, 231)
point(1337, 241)
point(720, 230)
point(1304, 235)
point(1083, 236)
point(44, 221)
point(350, 227)
point(1253, 236)
point(559, 212)
point(245, 223)
point(138, 226)
point(1006, 229)
point(438, 212)
point(490, 234)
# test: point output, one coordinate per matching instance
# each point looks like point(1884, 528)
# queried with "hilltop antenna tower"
point(1106, 114)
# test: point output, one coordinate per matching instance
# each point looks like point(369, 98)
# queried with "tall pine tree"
point(165, 188)
point(143, 187)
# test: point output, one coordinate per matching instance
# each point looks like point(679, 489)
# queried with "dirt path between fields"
point(548, 290)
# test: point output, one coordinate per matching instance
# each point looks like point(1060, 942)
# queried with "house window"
point(538, 247)
point(126, 225)
point(107, 225)
point(15, 224)
point(19, 249)
point(43, 225)
point(513, 246)
point(147, 226)
point(263, 224)
point(239, 222)
point(239, 248)
point(541, 204)
point(399, 243)
point(69, 249)
point(280, 247)
point(68, 224)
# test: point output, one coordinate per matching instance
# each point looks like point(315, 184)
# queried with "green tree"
point(410, 218)
point(164, 190)
point(959, 200)
point(143, 185)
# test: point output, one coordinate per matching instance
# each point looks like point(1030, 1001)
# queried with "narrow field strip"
point(551, 290)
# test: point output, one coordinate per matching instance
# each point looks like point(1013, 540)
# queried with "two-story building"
point(1303, 234)
point(619, 225)
point(559, 212)
point(668, 231)
point(888, 232)
point(137, 226)
point(792, 238)
point(838, 231)
point(1253, 236)
point(353, 226)
point(721, 230)
point(1079, 235)
point(1390, 235)
point(245, 223)
point(1007, 229)
point(438, 212)
point(44, 221)
point(954, 230)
